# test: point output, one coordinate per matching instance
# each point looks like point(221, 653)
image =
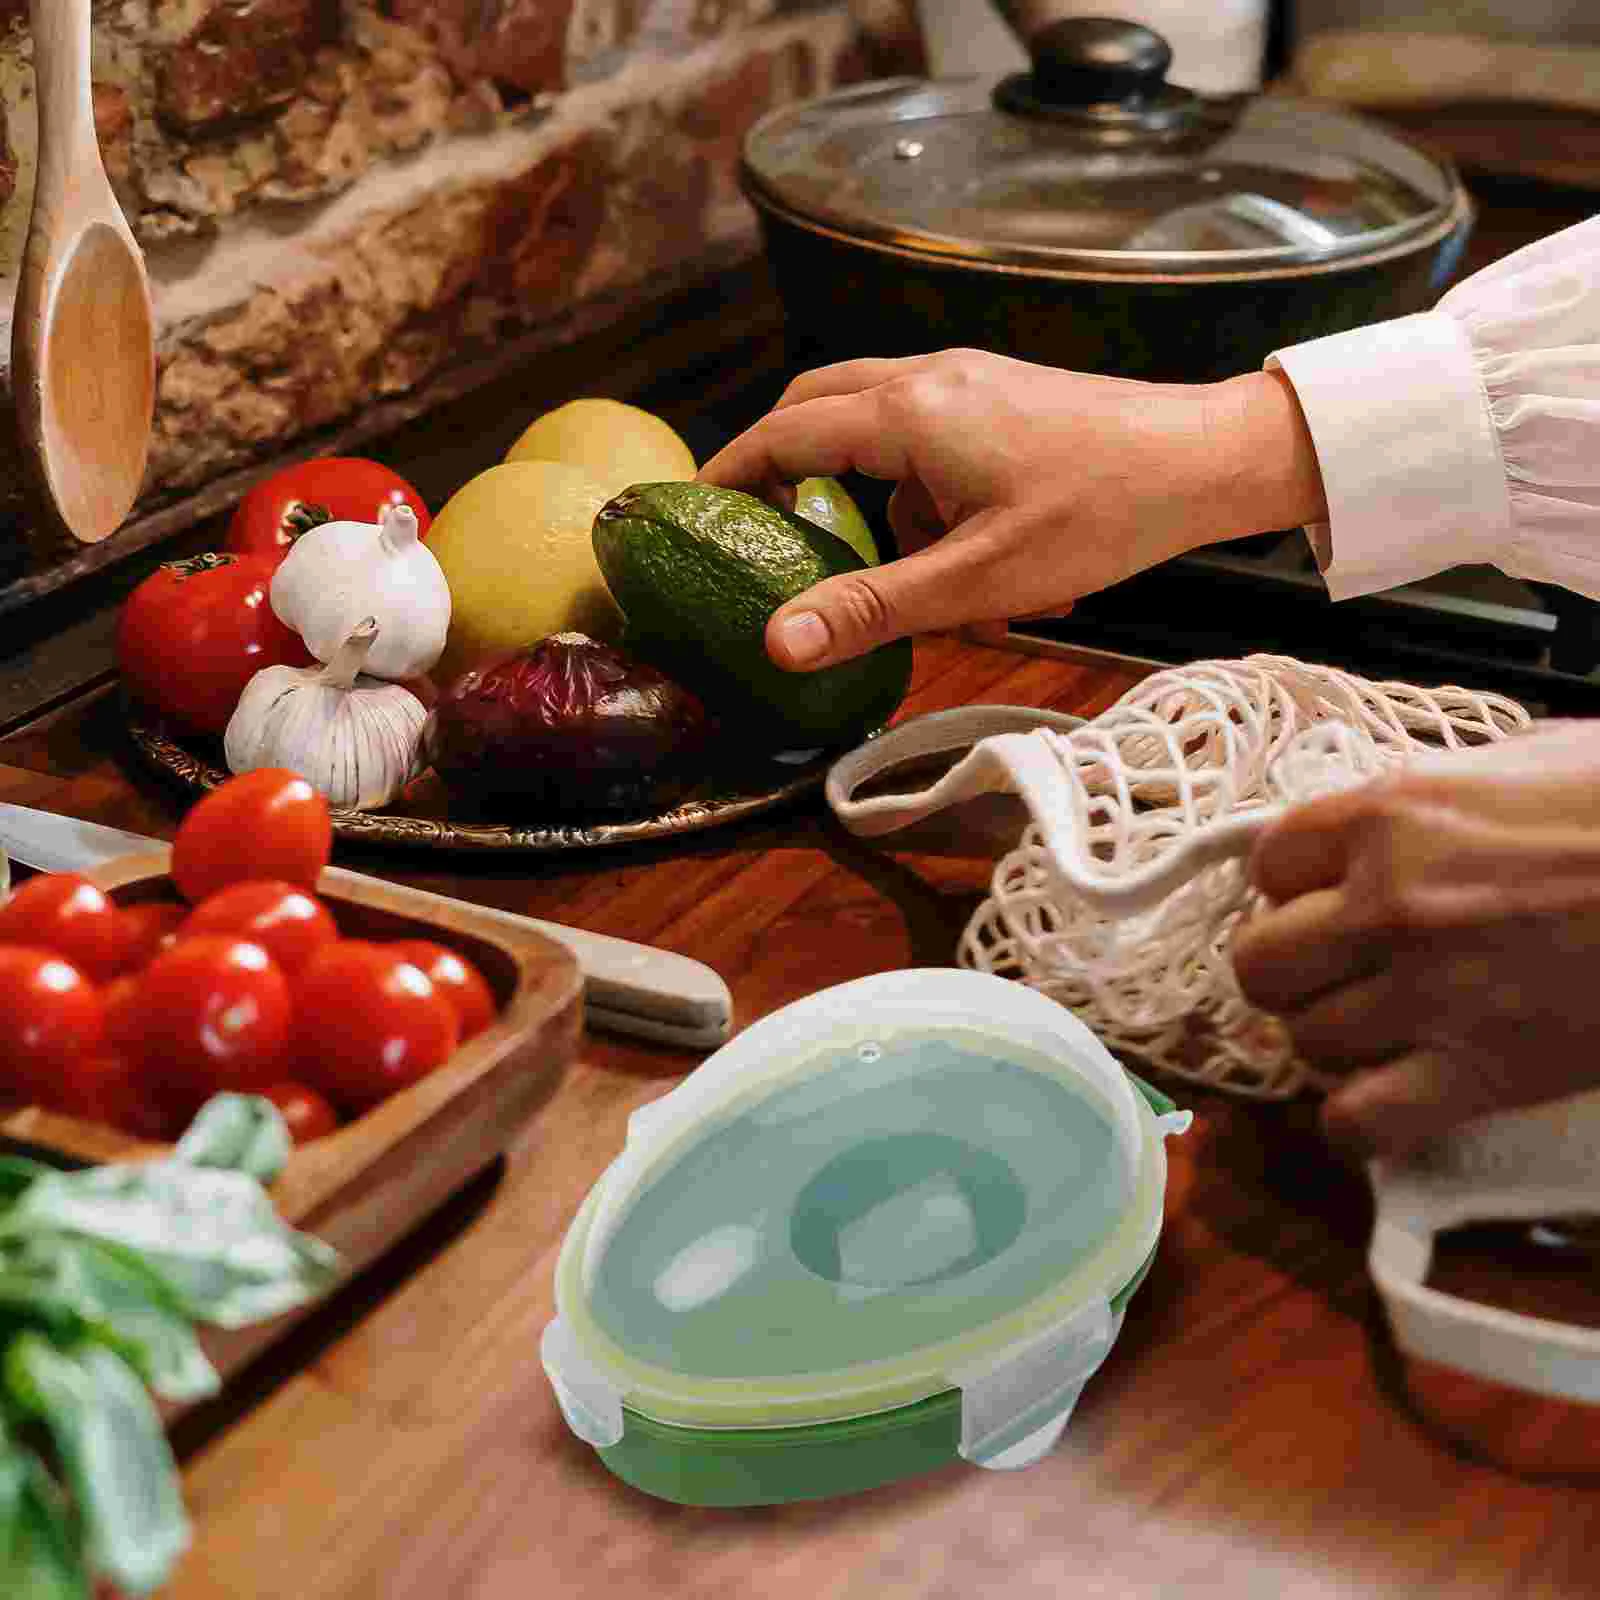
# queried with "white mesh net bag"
point(1124, 890)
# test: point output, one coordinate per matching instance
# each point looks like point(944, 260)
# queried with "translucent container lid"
point(1093, 163)
point(920, 1181)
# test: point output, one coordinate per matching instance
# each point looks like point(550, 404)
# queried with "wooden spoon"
point(83, 334)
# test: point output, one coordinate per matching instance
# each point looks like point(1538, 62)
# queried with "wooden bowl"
point(364, 1186)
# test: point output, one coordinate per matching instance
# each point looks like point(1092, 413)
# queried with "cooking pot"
point(1091, 215)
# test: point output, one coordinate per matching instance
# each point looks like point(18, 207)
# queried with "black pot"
point(1089, 215)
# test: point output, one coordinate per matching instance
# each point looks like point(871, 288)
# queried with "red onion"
point(569, 724)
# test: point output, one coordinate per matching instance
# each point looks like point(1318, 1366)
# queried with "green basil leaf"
point(38, 1557)
point(26, 1302)
point(239, 1133)
point(212, 1237)
point(118, 1301)
point(16, 1173)
point(114, 1454)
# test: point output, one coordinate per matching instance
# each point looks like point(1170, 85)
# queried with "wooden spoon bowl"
point(83, 334)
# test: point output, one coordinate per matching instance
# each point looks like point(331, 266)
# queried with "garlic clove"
point(340, 572)
point(356, 738)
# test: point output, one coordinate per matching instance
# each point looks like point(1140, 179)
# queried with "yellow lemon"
point(617, 445)
point(516, 548)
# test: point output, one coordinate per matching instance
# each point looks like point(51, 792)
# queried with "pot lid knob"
point(1097, 70)
point(1081, 61)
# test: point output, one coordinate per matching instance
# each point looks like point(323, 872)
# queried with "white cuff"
point(1409, 455)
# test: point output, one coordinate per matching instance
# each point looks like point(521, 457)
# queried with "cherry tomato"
point(124, 1022)
point(52, 1016)
point(150, 1112)
point(109, 1088)
point(91, 1085)
point(330, 489)
point(456, 979)
point(269, 823)
point(288, 922)
point(368, 1022)
point(307, 1114)
point(214, 1013)
point(195, 632)
point(64, 912)
point(145, 930)
point(121, 1087)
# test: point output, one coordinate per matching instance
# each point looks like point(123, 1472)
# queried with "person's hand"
point(1020, 488)
point(1435, 937)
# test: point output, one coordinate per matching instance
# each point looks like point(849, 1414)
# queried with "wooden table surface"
point(1252, 1434)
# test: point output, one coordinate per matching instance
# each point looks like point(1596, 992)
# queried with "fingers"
point(1393, 1110)
point(847, 377)
point(1309, 848)
point(819, 438)
point(1285, 958)
point(1359, 1024)
point(954, 581)
point(914, 517)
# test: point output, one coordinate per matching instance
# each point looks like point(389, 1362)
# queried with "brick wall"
point(338, 200)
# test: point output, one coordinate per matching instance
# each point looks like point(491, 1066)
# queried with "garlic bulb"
point(354, 737)
point(340, 572)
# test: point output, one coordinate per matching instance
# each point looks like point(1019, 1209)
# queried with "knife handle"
point(643, 983)
point(628, 987)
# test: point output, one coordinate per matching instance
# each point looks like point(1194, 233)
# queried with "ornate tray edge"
point(173, 760)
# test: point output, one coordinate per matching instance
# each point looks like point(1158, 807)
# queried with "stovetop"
point(1472, 626)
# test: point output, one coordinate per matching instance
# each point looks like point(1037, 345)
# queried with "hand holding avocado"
point(1020, 487)
point(698, 571)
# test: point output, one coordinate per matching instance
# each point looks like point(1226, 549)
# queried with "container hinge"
point(1174, 1122)
point(588, 1399)
point(1012, 1413)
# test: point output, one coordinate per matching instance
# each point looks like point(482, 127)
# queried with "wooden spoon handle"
point(69, 153)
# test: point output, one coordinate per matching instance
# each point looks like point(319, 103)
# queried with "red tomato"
point(194, 633)
point(288, 922)
point(456, 979)
point(120, 1087)
point(147, 1111)
point(106, 1087)
point(91, 1086)
point(146, 929)
point(330, 489)
point(307, 1114)
point(213, 1013)
point(368, 1022)
point(52, 1016)
point(64, 912)
point(124, 1021)
point(269, 823)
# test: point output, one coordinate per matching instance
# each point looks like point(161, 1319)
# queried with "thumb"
point(952, 582)
point(837, 620)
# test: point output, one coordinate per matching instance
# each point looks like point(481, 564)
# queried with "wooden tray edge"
point(549, 987)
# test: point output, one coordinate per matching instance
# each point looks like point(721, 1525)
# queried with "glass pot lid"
point(1092, 162)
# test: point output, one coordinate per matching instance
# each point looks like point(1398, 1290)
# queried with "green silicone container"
point(894, 1226)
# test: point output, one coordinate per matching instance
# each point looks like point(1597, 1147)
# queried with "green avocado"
point(698, 571)
point(827, 503)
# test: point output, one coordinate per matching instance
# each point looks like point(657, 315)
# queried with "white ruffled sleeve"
point(1465, 434)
